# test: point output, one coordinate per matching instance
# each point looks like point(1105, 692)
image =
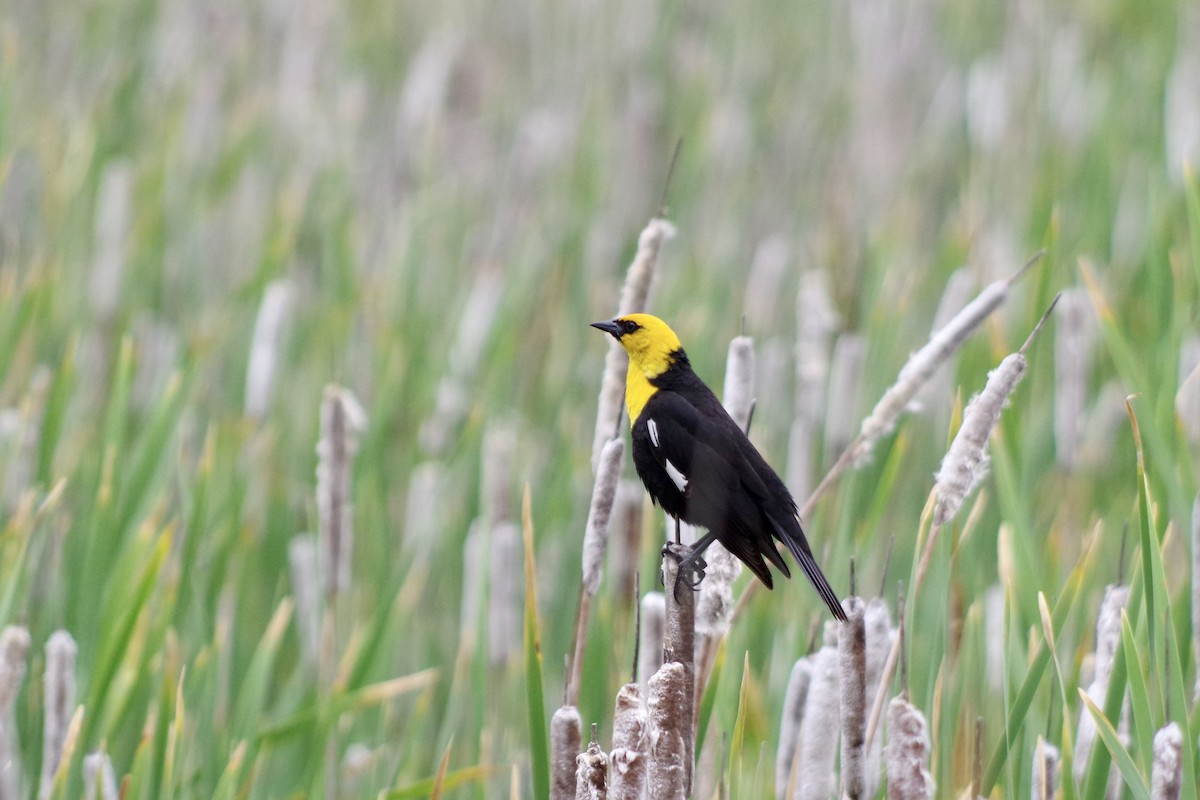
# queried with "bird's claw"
point(690, 572)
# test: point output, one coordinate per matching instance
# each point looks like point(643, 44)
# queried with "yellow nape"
point(650, 350)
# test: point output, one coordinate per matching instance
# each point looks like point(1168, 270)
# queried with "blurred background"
point(210, 211)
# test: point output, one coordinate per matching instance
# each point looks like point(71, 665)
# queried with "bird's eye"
point(628, 326)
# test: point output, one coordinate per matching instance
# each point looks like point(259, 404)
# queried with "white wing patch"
point(676, 476)
point(652, 426)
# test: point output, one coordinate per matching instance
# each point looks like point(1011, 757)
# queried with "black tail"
point(804, 557)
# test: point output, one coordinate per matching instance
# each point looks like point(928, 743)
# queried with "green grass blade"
point(452, 780)
point(1139, 697)
point(1129, 772)
point(539, 746)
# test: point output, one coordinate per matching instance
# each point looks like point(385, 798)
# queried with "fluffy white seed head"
point(1166, 769)
point(738, 397)
point(566, 742)
point(816, 778)
point(714, 605)
point(59, 688)
point(99, 777)
point(342, 420)
point(266, 344)
point(604, 492)
point(794, 700)
point(908, 778)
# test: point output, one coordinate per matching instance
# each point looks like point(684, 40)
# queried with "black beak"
point(610, 327)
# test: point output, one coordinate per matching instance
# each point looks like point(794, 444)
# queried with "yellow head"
point(652, 347)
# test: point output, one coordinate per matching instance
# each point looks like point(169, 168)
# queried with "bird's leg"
point(691, 566)
point(678, 537)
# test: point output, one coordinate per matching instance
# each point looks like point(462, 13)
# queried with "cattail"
point(1166, 769)
point(626, 535)
point(1108, 637)
point(111, 233)
point(993, 620)
point(714, 606)
point(306, 589)
point(670, 725)
point(566, 742)
point(1045, 770)
point(938, 390)
point(816, 321)
point(1181, 109)
point(965, 463)
point(1187, 400)
point(880, 637)
point(14, 650)
point(634, 295)
point(768, 268)
point(475, 564)
point(595, 539)
point(422, 523)
point(99, 778)
point(845, 389)
point(794, 700)
point(852, 694)
point(907, 753)
point(653, 633)
point(505, 601)
point(1196, 589)
point(26, 433)
point(496, 473)
point(1075, 334)
point(922, 364)
point(679, 647)
point(738, 397)
point(591, 772)
point(266, 345)
point(342, 419)
point(629, 757)
point(815, 775)
point(356, 767)
point(59, 688)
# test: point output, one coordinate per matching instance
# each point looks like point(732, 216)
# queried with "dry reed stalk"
point(907, 753)
point(1075, 335)
point(14, 651)
point(679, 647)
point(668, 773)
point(1108, 637)
point(816, 322)
point(816, 778)
point(566, 743)
point(99, 777)
point(916, 371)
point(266, 344)
point(1045, 770)
point(652, 637)
point(58, 687)
point(794, 700)
point(629, 758)
point(342, 419)
point(595, 540)
point(1166, 769)
point(852, 694)
point(634, 296)
point(306, 589)
point(505, 602)
point(591, 772)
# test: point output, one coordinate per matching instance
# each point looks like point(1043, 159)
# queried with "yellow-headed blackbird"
point(698, 464)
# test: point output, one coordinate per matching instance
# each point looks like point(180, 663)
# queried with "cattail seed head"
point(816, 322)
point(852, 694)
point(566, 742)
point(1075, 335)
point(1108, 636)
point(1166, 770)
point(59, 687)
point(265, 346)
point(634, 296)
point(815, 774)
point(881, 636)
point(714, 604)
point(595, 539)
point(591, 773)
point(626, 533)
point(306, 589)
point(499, 454)
point(14, 650)
point(475, 574)
point(505, 602)
point(629, 757)
point(670, 724)
point(1045, 770)
point(650, 647)
point(739, 380)
point(907, 753)
point(794, 700)
point(342, 419)
point(845, 390)
point(99, 777)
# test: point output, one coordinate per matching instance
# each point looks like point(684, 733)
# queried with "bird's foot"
point(690, 570)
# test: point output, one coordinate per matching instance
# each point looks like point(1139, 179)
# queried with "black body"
point(730, 489)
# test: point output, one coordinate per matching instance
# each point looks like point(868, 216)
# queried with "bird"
point(699, 466)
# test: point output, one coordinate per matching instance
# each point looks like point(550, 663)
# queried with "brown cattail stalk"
point(633, 299)
point(907, 753)
point(59, 689)
point(1108, 637)
point(678, 648)
point(566, 743)
point(14, 650)
point(591, 772)
point(670, 723)
point(794, 700)
point(99, 778)
point(1045, 770)
point(852, 692)
point(1166, 769)
point(342, 420)
point(629, 757)
point(266, 345)
point(816, 778)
